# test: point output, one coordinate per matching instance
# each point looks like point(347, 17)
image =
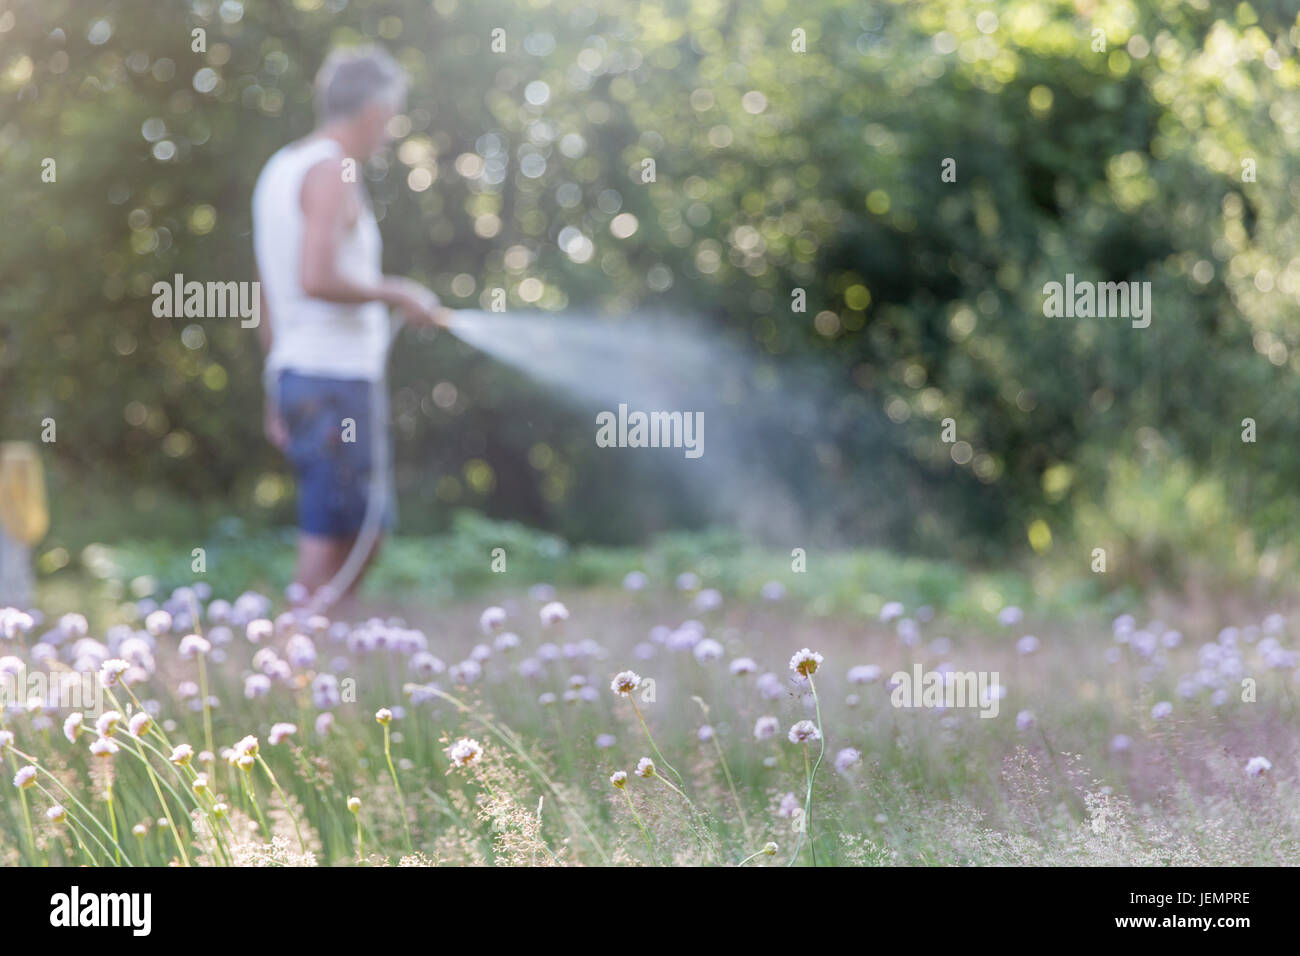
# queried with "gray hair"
point(352, 78)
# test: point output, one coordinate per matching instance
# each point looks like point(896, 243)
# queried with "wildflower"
point(158, 623)
point(605, 741)
point(200, 784)
point(246, 762)
point(325, 691)
point(1010, 615)
point(645, 767)
point(805, 662)
point(625, 682)
point(140, 830)
point(864, 674)
point(192, 645)
point(324, 724)
point(1024, 720)
point(704, 734)
point(207, 757)
point(107, 722)
point(139, 723)
point(507, 641)
point(103, 747)
point(847, 758)
point(1120, 743)
point(707, 650)
point(553, 614)
point(710, 599)
point(891, 611)
point(6, 739)
point(384, 716)
point(464, 752)
point(492, 620)
point(1162, 710)
point(742, 666)
point(635, 581)
point(789, 805)
point(256, 685)
point(804, 732)
point(687, 581)
point(111, 670)
point(1027, 644)
point(1257, 766)
point(618, 778)
point(354, 804)
point(25, 777)
point(245, 748)
point(765, 728)
point(769, 849)
point(280, 733)
point(56, 814)
point(182, 754)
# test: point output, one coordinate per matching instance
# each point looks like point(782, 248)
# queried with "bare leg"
point(319, 559)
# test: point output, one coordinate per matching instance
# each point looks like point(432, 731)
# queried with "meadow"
point(658, 721)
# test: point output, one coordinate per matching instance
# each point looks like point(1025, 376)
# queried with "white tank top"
point(312, 336)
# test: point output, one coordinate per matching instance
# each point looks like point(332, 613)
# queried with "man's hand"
point(417, 304)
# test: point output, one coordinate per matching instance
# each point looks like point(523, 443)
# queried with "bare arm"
point(324, 202)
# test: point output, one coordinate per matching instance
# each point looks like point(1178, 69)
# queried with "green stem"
point(302, 844)
point(653, 745)
point(637, 817)
point(401, 801)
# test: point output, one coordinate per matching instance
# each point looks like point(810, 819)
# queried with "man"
point(324, 319)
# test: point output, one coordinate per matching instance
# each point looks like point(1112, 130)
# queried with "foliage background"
point(924, 297)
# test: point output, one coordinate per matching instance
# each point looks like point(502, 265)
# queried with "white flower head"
point(192, 645)
point(139, 723)
point(56, 814)
point(103, 747)
point(765, 728)
point(464, 752)
point(553, 613)
point(847, 759)
point(625, 682)
point(618, 778)
point(107, 722)
point(645, 767)
point(1258, 766)
point(804, 732)
point(112, 670)
point(73, 726)
point(182, 754)
point(158, 623)
point(25, 777)
point(805, 662)
point(492, 620)
point(1162, 710)
point(280, 733)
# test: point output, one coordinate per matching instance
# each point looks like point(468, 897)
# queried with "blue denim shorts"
point(332, 436)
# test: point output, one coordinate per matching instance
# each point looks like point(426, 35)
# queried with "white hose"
point(377, 502)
